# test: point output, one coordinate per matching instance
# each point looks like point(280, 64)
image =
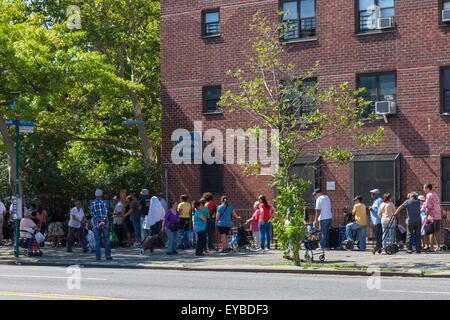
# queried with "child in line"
point(254, 224)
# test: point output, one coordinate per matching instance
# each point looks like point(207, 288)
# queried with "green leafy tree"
point(79, 80)
point(272, 92)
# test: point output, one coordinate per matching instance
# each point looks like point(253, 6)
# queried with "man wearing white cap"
point(376, 220)
point(99, 214)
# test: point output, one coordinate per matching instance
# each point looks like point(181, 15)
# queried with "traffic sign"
point(12, 122)
point(26, 129)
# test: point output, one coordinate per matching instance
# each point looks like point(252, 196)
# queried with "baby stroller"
point(30, 245)
point(390, 248)
point(311, 243)
point(150, 242)
point(242, 239)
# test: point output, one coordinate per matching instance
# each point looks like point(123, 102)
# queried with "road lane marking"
point(47, 277)
point(56, 296)
point(424, 292)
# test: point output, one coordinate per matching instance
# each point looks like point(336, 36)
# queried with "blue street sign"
point(15, 208)
point(12, 122)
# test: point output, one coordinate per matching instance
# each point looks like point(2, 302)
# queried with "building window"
point(370, 10)
point(379, 87)
point(211, 23)
point(300, 99)
point(445, 79)
point(445, 178)
point(211, 178)
point(299, 19)
point(446, 5)
point(381, 171)
point(211, 98)
point(308, 168)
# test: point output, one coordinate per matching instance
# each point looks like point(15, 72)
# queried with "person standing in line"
point(77, 217)
point(359, 225)
point(55, 225)
point(434, 214)
point(385, 212)
point(127, 223)
point(185, 214)
point(413, 221)
point(423, 215)
point(266, 214)
point(144, 205)
point(376, 220)
point(223, 221)
point(323, 217)
point(100, 221)
point(211, 223)
point(119, 211)
point(135, 218)
point(163, 201)
point(41, 214)
point(254, 224)
point(171, 218)
point(200, 219)
point(155, 216)
point(2, 218)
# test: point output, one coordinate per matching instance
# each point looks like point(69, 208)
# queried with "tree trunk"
point(296, 255)
point(147, 149)
point(11, 153)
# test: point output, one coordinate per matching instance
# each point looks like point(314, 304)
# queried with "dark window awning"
point(307, 159)
point(376, 157)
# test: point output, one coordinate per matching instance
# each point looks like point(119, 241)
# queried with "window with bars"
point(379, 171)
point(445, 80)
point(211, 178)
point(300, 98)
point(211, 23)
point(379, 87)
point(370, 10)
point(445, 178)
point(299, 19)
point(211, 96)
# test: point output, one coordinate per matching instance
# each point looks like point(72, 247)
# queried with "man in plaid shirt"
point(99, 214)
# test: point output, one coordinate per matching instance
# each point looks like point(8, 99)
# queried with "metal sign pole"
point(17, 215)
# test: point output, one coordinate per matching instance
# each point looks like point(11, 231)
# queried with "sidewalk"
point(339, 262)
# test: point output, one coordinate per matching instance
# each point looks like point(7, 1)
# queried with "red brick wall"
point(416, 51)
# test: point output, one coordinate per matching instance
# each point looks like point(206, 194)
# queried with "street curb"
point(230, 269)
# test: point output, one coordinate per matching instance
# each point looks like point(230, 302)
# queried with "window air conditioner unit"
point(385, 107)
point(385, 23)
point(446, 15)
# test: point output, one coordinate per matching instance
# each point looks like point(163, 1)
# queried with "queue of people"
point(180, 222)
point(421, 211)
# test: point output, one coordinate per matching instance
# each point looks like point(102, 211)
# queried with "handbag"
point(145, 225)
point(39, 237)
point(429, 227)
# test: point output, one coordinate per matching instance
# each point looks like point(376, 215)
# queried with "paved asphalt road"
point(36, 282)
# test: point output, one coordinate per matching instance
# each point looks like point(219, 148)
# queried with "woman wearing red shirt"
point(211, 221)
point(267, 212)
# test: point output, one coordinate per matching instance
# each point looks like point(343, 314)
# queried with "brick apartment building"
point(400, 53)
